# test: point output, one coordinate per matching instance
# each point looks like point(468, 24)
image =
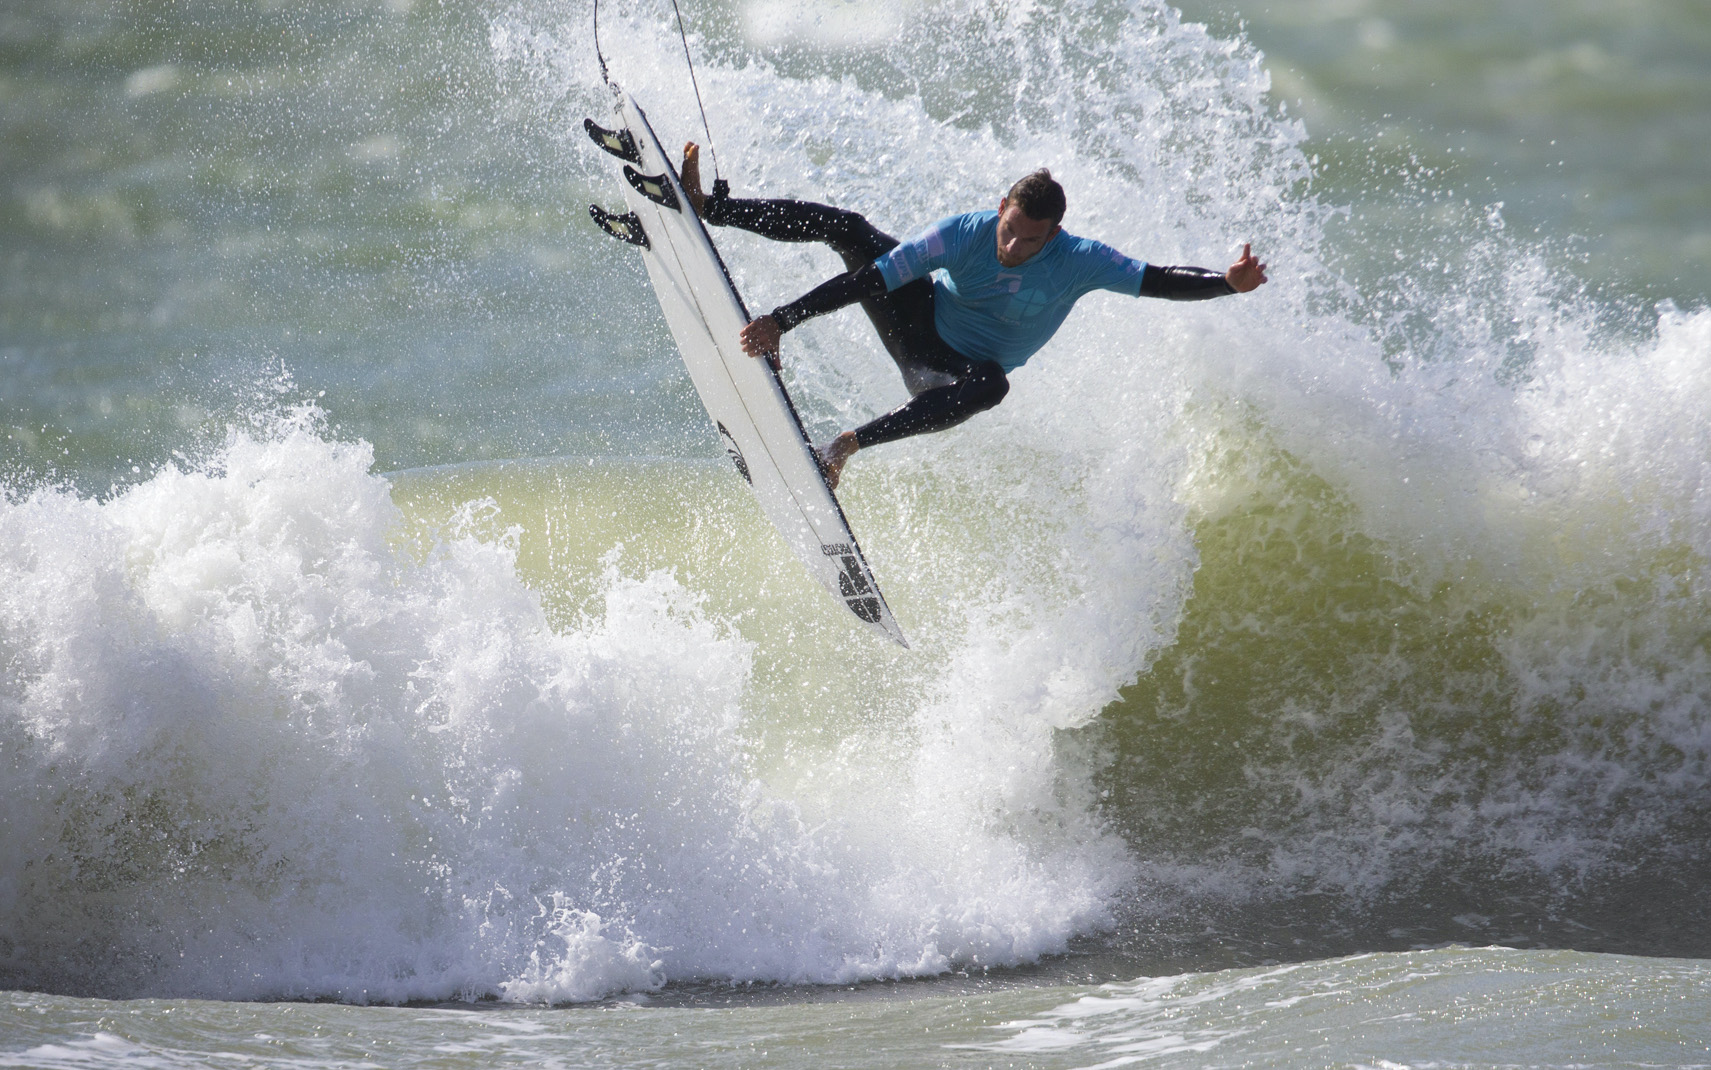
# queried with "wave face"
point(1349, 614)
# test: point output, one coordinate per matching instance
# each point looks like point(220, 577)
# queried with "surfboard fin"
point(656, 188)
point(626, 227)
point(617, 142)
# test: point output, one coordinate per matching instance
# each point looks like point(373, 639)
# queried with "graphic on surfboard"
point(756, 422)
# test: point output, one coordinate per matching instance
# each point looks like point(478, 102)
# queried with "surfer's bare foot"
point(690, 175)
point(835, 454)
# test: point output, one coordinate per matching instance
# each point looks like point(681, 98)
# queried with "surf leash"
point(682, 35)
point(604, 77)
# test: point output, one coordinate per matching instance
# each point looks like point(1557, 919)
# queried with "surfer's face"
point(1020, 237)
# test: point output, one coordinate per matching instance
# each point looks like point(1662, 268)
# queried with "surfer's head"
point(1029, 217)
point(1039, 196)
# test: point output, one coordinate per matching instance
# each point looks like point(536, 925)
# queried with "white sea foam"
point(262, 745)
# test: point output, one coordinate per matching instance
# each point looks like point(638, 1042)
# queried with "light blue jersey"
point(987, 311)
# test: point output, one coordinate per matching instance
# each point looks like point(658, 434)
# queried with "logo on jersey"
point(1026, 303)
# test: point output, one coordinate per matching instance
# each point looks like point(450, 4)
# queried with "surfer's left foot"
point(690, 175)
point(835, 454)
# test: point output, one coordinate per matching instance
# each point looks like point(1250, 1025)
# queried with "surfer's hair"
point(1039, 196)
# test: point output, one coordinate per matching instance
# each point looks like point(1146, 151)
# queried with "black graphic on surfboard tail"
point(626, 227)
point(619, 143)
point(656, 188)
point(736, 454)
point(855, 586)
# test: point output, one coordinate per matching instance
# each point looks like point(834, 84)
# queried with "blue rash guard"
point(987, 311)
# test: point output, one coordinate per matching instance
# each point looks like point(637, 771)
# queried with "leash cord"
point(684, 37)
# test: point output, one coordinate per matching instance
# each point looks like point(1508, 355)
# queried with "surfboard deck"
point(752, 412)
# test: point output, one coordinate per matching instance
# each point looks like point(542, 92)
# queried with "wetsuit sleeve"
point(831, 295)
point(1184, 283)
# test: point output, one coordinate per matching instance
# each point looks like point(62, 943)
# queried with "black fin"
point(624, 227)
point(617, 142)
point(656, 188)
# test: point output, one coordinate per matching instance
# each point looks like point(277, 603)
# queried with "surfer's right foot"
point(835, 454)
point(690, 175)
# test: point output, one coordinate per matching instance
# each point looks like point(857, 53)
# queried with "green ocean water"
point(393, 672)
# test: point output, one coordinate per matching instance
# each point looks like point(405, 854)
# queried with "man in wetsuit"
point(1007, 281)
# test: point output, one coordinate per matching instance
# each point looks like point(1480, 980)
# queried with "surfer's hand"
point(760, 339)
point(1246, 274)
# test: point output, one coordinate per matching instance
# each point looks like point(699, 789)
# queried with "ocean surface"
point(394, 672)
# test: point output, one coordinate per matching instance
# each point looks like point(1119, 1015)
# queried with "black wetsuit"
point(947, 386)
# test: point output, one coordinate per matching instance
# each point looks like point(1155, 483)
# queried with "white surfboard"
point(753, 414)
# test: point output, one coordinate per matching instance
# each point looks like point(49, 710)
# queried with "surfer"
point(1009, 279)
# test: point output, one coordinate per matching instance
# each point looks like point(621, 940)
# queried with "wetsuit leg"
point(980, 386)
point(856, 241)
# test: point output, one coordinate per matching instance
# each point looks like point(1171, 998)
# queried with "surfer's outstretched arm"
point(1199, 284)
